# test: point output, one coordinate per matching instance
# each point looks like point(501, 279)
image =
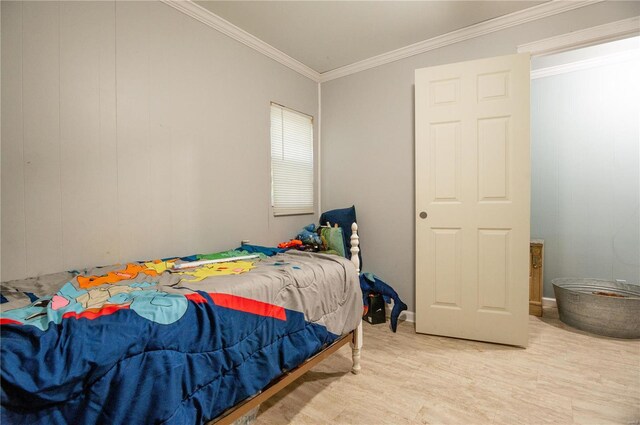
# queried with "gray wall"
point(132, 131)
point(368, 138)
point(585, 176)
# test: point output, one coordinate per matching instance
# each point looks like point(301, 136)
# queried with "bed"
point(174, 341)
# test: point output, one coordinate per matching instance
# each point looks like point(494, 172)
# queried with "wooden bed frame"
point(354, 338)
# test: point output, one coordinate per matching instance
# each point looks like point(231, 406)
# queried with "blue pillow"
point(344, 217)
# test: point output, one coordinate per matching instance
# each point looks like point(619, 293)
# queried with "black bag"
point(376, 312)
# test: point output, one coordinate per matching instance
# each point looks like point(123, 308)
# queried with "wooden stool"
point(536, 269)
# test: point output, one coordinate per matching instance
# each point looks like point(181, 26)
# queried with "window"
point(291, 161)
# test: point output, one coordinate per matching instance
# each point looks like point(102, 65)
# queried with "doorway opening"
point(585, 162)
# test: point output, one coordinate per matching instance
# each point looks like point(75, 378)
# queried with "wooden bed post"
point(356, 343)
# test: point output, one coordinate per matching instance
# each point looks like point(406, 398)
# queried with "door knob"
point(423, 215)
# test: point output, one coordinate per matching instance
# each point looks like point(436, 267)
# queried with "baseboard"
point(549, 302)
point(407, 316)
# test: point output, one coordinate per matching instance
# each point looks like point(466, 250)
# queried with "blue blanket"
point(152, 353)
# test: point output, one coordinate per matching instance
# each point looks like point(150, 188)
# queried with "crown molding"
point(583, 38)
point(610, 59)
point(497, 24)
point(594, 35)
point(214, 21)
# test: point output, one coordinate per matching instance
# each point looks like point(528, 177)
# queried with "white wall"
point(368, 138)
point(585, 172)
point(132, 131)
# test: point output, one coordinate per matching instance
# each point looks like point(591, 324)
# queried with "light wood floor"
point(564, 376)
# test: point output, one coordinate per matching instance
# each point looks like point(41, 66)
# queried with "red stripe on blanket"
point(249, 306)
point(9, 322)
point(196, 298)
point(93, 313)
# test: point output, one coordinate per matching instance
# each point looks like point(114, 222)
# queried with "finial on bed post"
point(356, 343)
point(355, 246)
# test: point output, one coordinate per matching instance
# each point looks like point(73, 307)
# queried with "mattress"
point(144, 343)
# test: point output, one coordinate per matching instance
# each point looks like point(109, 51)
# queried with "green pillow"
point(334, 238)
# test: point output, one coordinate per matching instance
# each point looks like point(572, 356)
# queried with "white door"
point(472, 199)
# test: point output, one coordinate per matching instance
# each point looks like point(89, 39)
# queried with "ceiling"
point(326, 35)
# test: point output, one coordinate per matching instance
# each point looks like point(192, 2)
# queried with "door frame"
point(612, 31)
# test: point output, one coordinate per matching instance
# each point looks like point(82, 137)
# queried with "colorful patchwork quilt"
point(147, 343)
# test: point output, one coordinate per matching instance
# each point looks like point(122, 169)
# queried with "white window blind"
point(291, 161)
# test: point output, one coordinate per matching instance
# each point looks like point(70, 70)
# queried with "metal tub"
point(580, 306)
